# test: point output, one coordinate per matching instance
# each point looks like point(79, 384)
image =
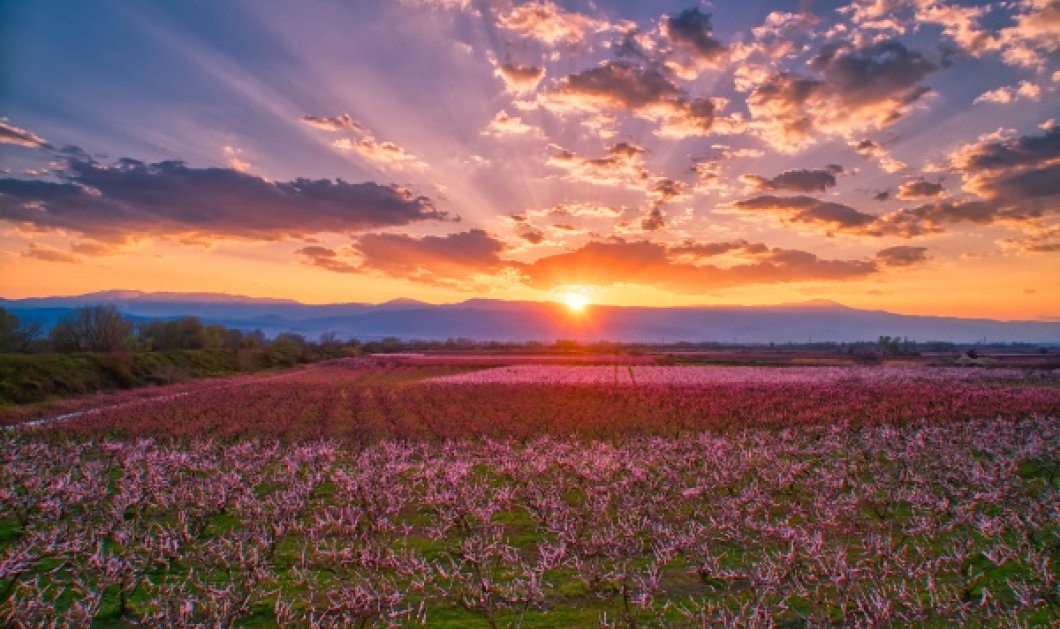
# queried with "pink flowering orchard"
point(694, 376)
point(530, 314)
point(357, 495)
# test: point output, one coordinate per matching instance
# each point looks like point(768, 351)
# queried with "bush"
point(31, 378)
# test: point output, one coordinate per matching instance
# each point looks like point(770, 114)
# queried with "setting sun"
point(575, 302)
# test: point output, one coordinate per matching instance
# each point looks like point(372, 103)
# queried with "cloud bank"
point(129, 200)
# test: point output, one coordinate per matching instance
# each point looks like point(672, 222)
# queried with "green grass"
point(36, 378)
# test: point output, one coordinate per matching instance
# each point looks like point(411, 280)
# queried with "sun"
point(575, 302)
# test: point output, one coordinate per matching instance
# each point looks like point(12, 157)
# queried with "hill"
point(486, 319)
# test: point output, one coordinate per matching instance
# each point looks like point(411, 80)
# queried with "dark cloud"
point(902, 256)
point(652, 264)
point(919, 189)
point(664, 189)
point(931, 218)
point(882, 195)
point(800, 180)
point(622, 86)
point(326, 258)
point(93, 248)
point(921, 220)
point(804, 209)
point(1017, 181)
point(1022, 186)
point(1017, 171)
point(630, 45)
point(645, 92)
point(711, 249)
point(626, 149)
point(431, 259)
point(880, 72)
point(50, 254)
point(130, 199)
point(622, 163)
point(1027, 150)
point(10, 134)
point(653, 221)
point(441, 260)
point(520, 78)
point(779, 103)
point(858, 88)
point(690, 32)
point(335, 123)
point(532, 235)
point(868, 148)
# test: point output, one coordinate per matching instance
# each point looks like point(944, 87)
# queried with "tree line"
point(102, 328)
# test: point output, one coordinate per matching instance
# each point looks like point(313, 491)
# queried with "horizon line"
point(264, 300)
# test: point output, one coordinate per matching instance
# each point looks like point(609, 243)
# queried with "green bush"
point(30, 378)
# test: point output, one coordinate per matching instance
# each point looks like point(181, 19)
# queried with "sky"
point(901, 155)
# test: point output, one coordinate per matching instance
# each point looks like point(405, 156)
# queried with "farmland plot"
point(352, 495)
point(696, 376)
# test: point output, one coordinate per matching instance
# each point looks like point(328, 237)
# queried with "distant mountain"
point(212, 307)
point(489, 319)
point(121, 296)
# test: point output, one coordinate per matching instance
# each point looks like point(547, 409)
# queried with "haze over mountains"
point(485, 319)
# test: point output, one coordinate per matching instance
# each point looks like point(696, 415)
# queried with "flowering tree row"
point(361, 405)
point(692, 376)
point(954, 523)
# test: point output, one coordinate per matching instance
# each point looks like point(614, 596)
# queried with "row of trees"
point(15, 335)
point(91, 329)
point(102, 328)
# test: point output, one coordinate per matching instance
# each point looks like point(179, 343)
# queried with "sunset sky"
point(891, 154)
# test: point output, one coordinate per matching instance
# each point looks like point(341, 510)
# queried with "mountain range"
point(487, 319)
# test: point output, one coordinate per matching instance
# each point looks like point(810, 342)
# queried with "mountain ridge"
point(502, 320)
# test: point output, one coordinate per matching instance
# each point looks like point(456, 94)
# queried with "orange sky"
point(868, 153)
point(1002, 289)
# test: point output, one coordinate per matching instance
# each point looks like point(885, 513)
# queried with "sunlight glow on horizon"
point(576, 302)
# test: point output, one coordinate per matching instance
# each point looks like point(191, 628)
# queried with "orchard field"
point(452, 494)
